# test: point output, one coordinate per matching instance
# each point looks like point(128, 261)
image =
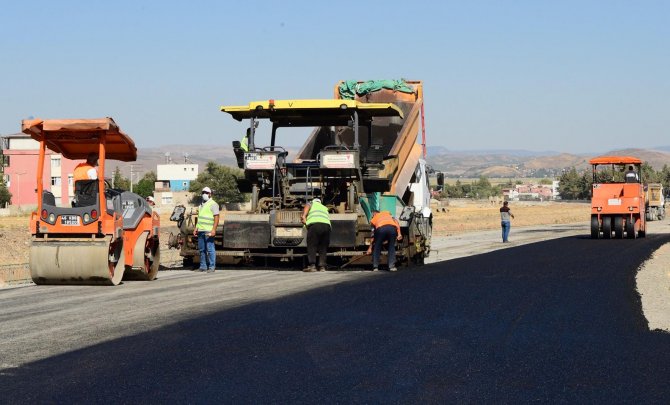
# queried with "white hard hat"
point(316, 200)
point(150, 198)
point(207, 190)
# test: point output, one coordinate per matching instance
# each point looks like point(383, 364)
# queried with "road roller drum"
point(76, 261)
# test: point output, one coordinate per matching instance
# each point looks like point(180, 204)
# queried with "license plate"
point(289, 232)
point(69, 220)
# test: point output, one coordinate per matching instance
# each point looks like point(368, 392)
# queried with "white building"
point(173, 182)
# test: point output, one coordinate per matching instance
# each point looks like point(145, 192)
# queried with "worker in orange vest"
point(384, 228)
point(87, 170)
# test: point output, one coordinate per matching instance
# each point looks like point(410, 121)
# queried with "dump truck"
point(618, 199)
point(654, 201)
point(361, 154)
point(106, 235)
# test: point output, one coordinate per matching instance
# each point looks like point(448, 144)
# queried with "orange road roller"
point(106, 235)
point(617, 202)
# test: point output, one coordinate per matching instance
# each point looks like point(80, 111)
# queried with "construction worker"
point(152, 204)
point(631, 175)
point(505, 221)
point(244, 143)
point(315, 217)
point(385, 228)
point(87, 170)
point(205, 230)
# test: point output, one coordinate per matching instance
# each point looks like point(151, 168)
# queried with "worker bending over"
point(385, 228)
point(315, 217)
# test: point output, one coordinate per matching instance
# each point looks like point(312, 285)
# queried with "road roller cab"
point(107, 234)
point(617, 203)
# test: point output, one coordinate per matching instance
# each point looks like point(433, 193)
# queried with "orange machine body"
point(616, 206)
point(102, 226)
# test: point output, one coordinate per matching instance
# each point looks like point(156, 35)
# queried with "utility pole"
point(132, 166)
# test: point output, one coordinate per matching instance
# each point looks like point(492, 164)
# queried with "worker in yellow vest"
point(244, 143)
point(316, 219)
point(205, 230)
point(385, 228)
point(87, 170)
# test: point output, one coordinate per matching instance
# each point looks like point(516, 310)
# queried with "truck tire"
point(630, 229)
point(607, 227)
point(595, 227)
point(618, 227)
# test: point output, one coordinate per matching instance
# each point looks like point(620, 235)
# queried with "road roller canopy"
point(77, 138)
point(311, 112)
point(615, 160)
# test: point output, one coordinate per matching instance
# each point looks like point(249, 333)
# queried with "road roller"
point(107, 235)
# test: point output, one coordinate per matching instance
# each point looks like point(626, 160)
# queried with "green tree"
point(546, 181)
point(5, 195)
point(119, 181)
point(223, 182)
point(482, 188)
point(573, 186)
point(145, 187)
point(665, 176)
point(569, 187)
point(453, 190)
point(649, 175)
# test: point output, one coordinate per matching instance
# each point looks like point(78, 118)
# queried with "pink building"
point(21, 156)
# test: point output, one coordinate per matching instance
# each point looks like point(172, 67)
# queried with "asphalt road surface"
point(553, 321)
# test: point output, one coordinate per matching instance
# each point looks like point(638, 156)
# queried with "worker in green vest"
point(316, 219)
point(205, 230)
point(244, 143)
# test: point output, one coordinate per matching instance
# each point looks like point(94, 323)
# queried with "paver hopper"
point(106, 233)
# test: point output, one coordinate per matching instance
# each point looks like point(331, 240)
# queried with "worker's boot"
point(322, 268)
point(309, 269)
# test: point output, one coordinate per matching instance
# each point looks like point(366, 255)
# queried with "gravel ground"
point(653, 283)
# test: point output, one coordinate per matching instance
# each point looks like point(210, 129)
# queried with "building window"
point(5, 160)
point(70, 179)
point(7, 182)
point(184, 184)
point(55, 161)
point(55, 181)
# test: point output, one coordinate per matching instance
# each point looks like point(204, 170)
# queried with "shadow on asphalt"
point(555, 321)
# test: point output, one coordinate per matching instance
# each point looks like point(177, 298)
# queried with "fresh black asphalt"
point(557, 321)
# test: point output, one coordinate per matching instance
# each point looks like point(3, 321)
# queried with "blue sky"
point(568, 76)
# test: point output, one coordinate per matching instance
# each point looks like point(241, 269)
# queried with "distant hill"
point(503, 164)
point(656, 158)
point(458, 164)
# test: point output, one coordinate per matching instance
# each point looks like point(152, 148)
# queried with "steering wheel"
point(269, 148)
